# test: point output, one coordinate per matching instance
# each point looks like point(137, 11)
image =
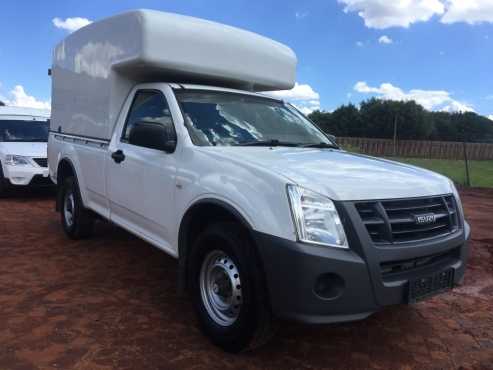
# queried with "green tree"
point(346, 121)
point(376, 118)
point(381, 116)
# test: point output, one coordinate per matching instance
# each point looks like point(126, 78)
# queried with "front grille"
point(408, 220)
point(42, 162)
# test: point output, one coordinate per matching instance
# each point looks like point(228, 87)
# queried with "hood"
point(24, 149)
point(342, 175)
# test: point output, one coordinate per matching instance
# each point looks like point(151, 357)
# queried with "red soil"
point(110, 302)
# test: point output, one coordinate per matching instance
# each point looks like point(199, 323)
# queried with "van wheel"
point(228, 290)
point(77, 221)
point(3, 182)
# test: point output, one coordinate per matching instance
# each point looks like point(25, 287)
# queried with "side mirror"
point(332, 138)
point(153, 135)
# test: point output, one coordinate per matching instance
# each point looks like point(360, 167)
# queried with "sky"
point(437, 52)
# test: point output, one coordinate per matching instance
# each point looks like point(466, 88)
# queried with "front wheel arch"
point(201, 214)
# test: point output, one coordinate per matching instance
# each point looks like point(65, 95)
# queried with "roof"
point(225, 89)
point(22, 111)
point(143, 44)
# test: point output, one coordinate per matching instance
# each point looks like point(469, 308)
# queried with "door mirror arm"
point(170, 146)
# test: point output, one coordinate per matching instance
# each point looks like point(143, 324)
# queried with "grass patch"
point(481, 172)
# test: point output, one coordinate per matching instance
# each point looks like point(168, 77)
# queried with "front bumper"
point(27, 175)
point(359, 286)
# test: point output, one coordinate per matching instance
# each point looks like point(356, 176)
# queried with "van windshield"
point(23, 131)
point(229, 119)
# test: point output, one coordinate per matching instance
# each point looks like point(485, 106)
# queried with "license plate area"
point(430, 285)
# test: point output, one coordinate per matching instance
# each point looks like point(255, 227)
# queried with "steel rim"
point(220, 288)
point(68, 208)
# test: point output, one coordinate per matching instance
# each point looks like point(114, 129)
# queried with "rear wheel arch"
point(77, 221)
point(65, 170)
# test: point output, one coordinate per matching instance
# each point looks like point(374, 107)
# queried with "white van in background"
point(23, 152)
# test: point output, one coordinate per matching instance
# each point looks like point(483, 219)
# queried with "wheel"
point(77, 221)
point(3, 182)
point(228, 290)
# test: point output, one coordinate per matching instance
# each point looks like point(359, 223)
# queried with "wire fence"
point(418, 149)
point(467, 164)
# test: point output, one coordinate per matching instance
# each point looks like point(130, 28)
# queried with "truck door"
point(141, 180)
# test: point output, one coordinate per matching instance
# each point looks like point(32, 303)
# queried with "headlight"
point(16, 160)
point(316, 218)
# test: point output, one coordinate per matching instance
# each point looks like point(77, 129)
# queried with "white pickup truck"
point(23, 152)
point(158, 126)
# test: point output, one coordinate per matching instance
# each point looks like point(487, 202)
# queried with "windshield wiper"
point(273, 142)
point(321, 145)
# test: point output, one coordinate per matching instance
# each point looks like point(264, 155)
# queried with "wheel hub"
point(220, 288)
point(68, 208)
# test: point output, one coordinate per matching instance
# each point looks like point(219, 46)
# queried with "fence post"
point(395, 135)
point(466, 162)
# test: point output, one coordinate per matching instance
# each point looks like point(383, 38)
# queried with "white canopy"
point(95, 67)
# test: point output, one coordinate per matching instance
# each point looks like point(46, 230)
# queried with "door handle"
point(118, 156)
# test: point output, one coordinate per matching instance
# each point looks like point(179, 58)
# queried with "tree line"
point(377, 118)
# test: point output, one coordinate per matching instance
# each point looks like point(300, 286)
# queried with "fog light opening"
point(329, 286)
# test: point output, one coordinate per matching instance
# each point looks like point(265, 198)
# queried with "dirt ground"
point(110, 303)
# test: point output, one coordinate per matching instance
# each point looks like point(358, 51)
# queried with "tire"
point(3, 183)
point(77, 221)
point(224, 254)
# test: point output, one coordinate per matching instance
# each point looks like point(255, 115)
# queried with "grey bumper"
point(360, 288)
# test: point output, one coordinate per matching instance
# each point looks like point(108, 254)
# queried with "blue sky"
point(439, 52)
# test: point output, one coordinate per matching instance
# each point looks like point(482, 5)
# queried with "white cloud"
point(301, 15)
point(468, 11)
point(490, 117)
point(393, 13)
point(383, 14)
point(489, 97)
point(71, 24)
point(19, 98)
point(430, 99)
point(359, 44)
point(457, 106)
point(302, 96)
point(385, 40)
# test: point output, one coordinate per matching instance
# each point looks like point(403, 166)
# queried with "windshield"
point(219, 118)
point(23, 131)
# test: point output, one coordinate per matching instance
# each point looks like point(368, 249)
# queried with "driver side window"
point(148, 106)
